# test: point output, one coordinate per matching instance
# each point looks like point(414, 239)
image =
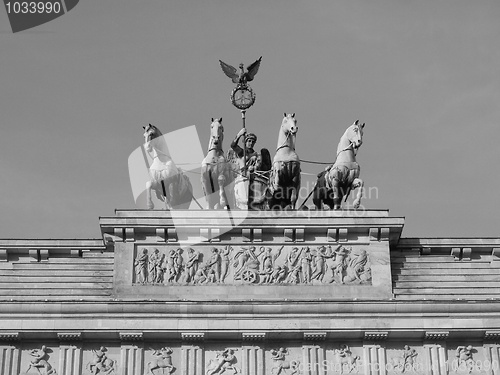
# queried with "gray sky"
point(423, 75)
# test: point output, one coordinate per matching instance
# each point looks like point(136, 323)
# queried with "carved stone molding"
point(343, 233)
point(436, 335)
point(9, 336)
point(69, 336)
point(314, 336)
point(131, 336)
point(193, 336)
point(172, 235)
point(495, 255)
point(492, 335)
point(253, 336)
point(376, 335)
point(255, 265)
point(119, 234)
point(129, 235)
point(161, 235)
point(455, 253)
point(425, 251)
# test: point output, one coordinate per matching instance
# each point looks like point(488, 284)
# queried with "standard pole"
point(243, 118)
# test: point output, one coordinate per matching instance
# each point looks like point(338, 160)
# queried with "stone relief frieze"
point(347, 361)
point(162, 363)
point(39, 362)
point(224, 360)
point(282, 366)
point(101, 364)
point(406, 361)
point(264, 265)
point(464, 362)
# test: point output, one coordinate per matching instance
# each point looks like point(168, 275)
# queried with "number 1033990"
point(32, 7)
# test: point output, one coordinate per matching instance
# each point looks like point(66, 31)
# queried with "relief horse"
point(168, 181)
point(163, 362)
point(216, 175)
point(284, 182)
point(338, 180)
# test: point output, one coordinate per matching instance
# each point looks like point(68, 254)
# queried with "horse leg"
point(222, 195)
point(151, 368)
point(358, 183)
point(337, 196)
point(149, 201)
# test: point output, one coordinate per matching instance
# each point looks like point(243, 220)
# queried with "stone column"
point(435, 353)
point(252, 360)
point(192, 360)
point(252, 354)
point(9, 360)
point(192, 355)
point(313, 357)
point(132, 354)
point(492, 354)
point(374, 353)
point(70, 353)
point(374, 359)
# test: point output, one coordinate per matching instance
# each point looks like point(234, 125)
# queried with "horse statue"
point(339, 179)
point(216, 174)
point(284, 182)
point(168, 181)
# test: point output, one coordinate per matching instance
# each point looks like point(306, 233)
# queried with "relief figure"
point(155, 267)
point(191, 265)
point(141, 266)
point(346, 360)
point(224, 360)
point(162, 361)
point(174, 265)
point(40, 362)
point(224, 264)
point(406, 361)
point(100, 363)
point(246, 263)
point(281, 365)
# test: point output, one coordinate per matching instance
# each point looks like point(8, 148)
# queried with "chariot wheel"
point(249, 276)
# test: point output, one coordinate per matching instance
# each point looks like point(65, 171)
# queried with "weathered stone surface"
point(421, 310)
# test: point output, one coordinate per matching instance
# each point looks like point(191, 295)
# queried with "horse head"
point(354, 134)
point(151, 132)
point(216, 134)
point(289, 124)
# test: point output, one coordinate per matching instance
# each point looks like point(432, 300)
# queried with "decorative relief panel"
point(162, 362)
point(101, 363)
point(200, 265)
point(284, 363)
point(223, 361)
point(40, 362)
point(272, 358)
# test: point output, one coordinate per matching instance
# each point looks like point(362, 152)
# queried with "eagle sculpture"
point(243, 77)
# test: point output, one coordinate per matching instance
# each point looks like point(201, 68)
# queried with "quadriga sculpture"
point(216, 175)
point(168, 181)
point(284, 182)
point(339, 179)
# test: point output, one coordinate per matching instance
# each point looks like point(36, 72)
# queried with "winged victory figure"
point(243, 77)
